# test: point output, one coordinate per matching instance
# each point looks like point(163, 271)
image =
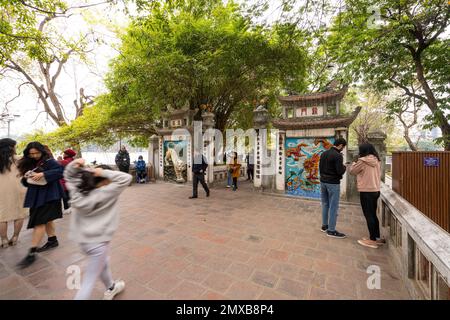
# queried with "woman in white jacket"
point(94, 194)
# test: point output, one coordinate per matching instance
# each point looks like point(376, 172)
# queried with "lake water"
point(109, 157)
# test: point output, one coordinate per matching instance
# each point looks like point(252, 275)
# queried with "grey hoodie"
point(94, 216)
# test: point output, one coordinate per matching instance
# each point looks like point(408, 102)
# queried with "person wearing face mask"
point(41, 174)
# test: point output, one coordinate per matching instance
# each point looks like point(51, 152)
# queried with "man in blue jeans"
point(332, 169)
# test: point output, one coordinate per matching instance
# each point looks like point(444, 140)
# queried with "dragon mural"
point(302, 165)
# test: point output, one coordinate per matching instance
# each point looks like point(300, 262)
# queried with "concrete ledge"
point(432, 241)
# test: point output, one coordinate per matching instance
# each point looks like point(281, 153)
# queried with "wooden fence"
point(423, 179)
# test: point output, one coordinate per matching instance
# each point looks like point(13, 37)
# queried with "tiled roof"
point(313, 97)
point(316, 122)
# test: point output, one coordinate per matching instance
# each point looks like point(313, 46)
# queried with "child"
point(95, 218)
point(236, 167)
point(141, 170)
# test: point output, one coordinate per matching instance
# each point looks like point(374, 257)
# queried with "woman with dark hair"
point(41, 174)
point(368, 172)
point(95, 218)
point(12, 193)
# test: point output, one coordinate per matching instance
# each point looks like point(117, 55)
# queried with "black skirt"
point(46, 213)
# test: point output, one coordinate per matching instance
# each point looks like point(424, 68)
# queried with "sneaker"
point(324, 228)
point(119, 286)
point(380, 241)
point(368, 243)
point(193, 197)
point(228, 186)
point(27, 261)
point(336, 234)
point(49, 245)
point(207, 194)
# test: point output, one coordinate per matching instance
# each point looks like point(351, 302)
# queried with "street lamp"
point(7, 117)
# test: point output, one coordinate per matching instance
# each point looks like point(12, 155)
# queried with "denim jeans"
point(330, 204)
point(229, 179)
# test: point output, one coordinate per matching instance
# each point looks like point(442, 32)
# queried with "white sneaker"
point(119, 286)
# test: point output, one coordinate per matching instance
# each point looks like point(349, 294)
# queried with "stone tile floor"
point(233, 245)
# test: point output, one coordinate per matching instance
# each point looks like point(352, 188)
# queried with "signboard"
point(431, 162)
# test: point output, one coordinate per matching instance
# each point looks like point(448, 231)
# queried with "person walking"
point(123, 160)
point(68, 157)
point(236, 170)
point(199, 170)
point(12, 193)
point(367, 169)
point(229, 170)
point(331, 170)
point(41, 175)
point(250, 166)
point(95, 218)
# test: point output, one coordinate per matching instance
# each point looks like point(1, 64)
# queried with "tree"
point(196, 55)
point(406, 110)
point(407, 46)
point(35, 47)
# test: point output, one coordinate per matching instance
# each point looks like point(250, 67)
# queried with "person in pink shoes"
point(94, 196)
point(367, 169)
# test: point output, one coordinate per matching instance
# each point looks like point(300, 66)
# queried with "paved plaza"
point(233, 245)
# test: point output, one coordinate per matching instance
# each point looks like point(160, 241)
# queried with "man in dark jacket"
point(331, 171)
point(123, 160)
point(199, 169)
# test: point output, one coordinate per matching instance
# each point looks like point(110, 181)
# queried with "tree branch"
point(407, 91)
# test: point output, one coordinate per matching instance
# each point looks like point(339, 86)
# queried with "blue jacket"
point(38, 196)
point(140, 165)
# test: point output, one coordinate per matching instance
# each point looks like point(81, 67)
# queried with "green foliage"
point(393, 53)
point(198, 54)
point(19, 27)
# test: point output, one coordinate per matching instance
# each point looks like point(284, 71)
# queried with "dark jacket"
point(331, 166)
point(140, 165)
point(198, 167)
point(36, 195)
point(123, 159)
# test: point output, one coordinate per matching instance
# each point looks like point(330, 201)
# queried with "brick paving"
point(233, 245)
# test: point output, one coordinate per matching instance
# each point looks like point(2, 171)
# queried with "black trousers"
point(369, 202)
point(66, 199)
point(235, 183)
point(198, 177)
point(250, 172)
point(125, 169)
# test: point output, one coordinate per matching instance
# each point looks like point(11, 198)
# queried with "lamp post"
point(7, 117)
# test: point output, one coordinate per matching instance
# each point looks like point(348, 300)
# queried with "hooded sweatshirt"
point(368, 173)
point(94, 216)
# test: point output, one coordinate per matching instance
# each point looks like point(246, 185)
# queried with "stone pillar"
point(343, 132)
point(378, 139)
point(352, 194)
point(260, 121)
point(208, 151)
point(153, 154)
point(161, 157)
point(280, 163)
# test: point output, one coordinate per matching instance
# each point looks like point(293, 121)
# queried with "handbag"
point(29, 175)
